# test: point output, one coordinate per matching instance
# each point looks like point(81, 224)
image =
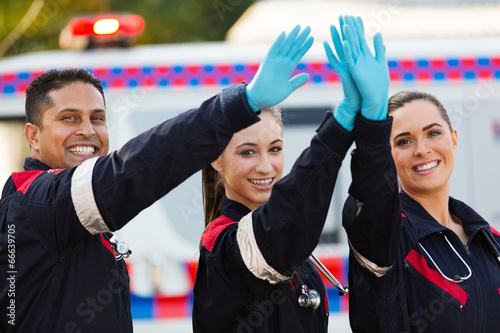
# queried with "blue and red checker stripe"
point(408, 70)
point(177, 307)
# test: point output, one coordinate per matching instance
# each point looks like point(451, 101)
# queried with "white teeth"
point(426, 166)
point(82, 150)
point(261, 182)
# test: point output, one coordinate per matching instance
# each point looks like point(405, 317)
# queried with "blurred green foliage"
point(167, 21)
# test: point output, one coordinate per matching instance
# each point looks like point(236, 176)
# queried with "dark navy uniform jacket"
point(247, 257)
point(58, 272)
point(394, 284)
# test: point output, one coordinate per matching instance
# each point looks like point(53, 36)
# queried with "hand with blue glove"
point(272, 83)
point(346, 111)
point(371, 74)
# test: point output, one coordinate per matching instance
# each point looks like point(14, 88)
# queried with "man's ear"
point(217, 165)
point(31, 132)
point(454, 138)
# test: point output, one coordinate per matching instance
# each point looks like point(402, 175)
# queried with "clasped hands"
point(365, 78)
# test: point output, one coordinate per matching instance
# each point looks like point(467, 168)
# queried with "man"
point(59, 270)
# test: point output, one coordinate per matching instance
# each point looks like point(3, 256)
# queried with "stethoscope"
point(120, 248)
point(456, 278)
point(310, 298)
point(343, 290)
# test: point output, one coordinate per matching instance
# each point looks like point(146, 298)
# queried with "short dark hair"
point(37, 93)
point(403, 97)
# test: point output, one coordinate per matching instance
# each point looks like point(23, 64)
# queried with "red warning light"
point(101, 31)
point(131, 25)
point(81, 26)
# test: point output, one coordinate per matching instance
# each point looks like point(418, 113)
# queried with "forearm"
point(372, 215)
point(150, 165)
point(288, 227)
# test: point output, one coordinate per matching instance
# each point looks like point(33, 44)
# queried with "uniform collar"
point(30, 164)
point(424, 224)
point(232, 209)
point(33, 164)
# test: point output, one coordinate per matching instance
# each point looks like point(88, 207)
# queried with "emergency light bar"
point(129, 25)
point(101, 31)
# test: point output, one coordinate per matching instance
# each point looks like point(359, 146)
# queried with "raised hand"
point(346, 111)
point(371, 74)
point(272, 83)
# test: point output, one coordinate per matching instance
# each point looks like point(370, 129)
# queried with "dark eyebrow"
point(247, 144)
point(254, 144)
point(69, 110)
point(431, 125)
point(423, 130)
point(79, 111)
point(401, 134)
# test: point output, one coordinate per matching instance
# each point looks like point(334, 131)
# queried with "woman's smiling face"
point(253, 162)
point(423, 147)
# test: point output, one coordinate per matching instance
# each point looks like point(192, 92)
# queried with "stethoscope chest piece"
point(309, 299)
point(120, 248)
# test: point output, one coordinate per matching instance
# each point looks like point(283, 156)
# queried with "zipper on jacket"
point(480, 300)
point(467, 250)
point(479, 325)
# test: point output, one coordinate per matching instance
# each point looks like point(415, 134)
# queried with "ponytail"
point(213, 191)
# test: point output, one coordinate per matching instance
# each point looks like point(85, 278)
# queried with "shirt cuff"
point(235, 107)
point(375, 132)
point(334, 136)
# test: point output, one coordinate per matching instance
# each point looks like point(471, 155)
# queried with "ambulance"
point(452, 53)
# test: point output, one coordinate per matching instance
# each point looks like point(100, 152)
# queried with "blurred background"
point(157, 58)
point(172, 21)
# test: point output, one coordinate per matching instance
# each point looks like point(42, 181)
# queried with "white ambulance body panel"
point(148, 84)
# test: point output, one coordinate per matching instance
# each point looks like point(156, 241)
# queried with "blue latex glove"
point(346, 111)
point(272, 84)
point(371, 74)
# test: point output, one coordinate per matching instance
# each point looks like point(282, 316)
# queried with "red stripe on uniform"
point(213, 231)
point(419, 263)
point(23, 179)
point(327, 305)
point(107, 245)
point(495, 231)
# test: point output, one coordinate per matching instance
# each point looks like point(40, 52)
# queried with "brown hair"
point(213, 184)
point(404, 97)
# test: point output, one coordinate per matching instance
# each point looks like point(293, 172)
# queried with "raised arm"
point(275, 239)
point(150, 165)
point(371, 215)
